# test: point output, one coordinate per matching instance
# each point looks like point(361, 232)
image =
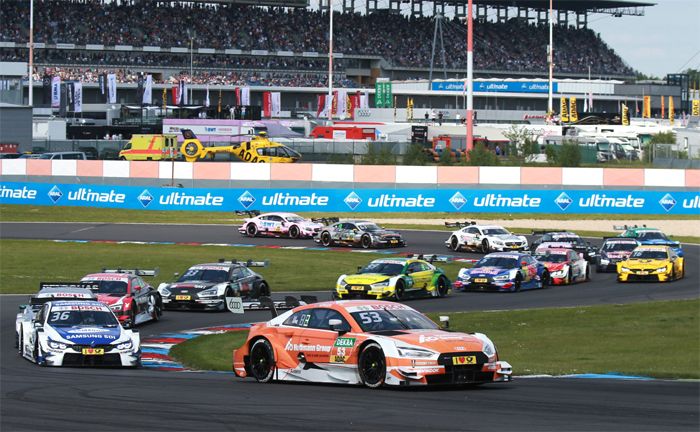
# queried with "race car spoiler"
point(430, 258)
point(289, 302)
point(459, 224)
point(87, 285)
point(136, 272)
point(547, 231)
point(626, 227)
point(248, 263)
point(556, 245)
point(249, 213)
point(326, 220)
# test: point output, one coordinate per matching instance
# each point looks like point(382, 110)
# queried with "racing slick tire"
point(294, 232)
point(366, 242)
point(485, 246)
point(153, 308)
point(326, 239)
point(545, 280)
point(264, 289)
point(251, 229)
point(262, 361)
point(568, 278)
point(518, 283)
point(442, 286)
point(673, 275)
point(588, 273)
point(37, 352)
point(454, 243)
point(132, 319)
point(371, 365)
point(399, 290)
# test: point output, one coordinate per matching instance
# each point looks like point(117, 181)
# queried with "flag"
point(56, 92)
point(70, 103)
point(245, 96)
point(218, 108)
point(695, 107)
point(636, 108)
point(78, 97)
point(409, 109)
point(663, 107)
point(646, 108)
point(112, 88)
point(165, 99)
point(175, 95)
point(206, 100)
point(102, 80)
point(321, 106)
point(590, 101)
point(625, 115)
point(267, 104)
point(139, 87)
point(276, 104)
point(585, 104)
point(238, 95)
point(563, 111)
point(671, 112)
point(573, 111)
point(365, 102)
point(46, 84)
point(148, 91)
point(341, 104)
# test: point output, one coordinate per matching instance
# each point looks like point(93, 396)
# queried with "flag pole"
point(470, 78)
point(329, 102)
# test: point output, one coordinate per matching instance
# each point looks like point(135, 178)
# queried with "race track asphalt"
point(35, 398)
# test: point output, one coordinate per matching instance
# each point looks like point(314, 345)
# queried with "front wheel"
point(154, 309)
point(518, 283)
point(262, 361)
point(485, 247)
point(454, 244)
point(372, 366)
point(264, 289)
point(294, 232)
point(326, 238)
point(544, 279)
point(366, 242)
point(399, 290)
point(442, 286)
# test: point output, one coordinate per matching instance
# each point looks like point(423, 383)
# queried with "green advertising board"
point(383, 97)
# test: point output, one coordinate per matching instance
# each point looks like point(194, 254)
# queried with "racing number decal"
point(370, 317)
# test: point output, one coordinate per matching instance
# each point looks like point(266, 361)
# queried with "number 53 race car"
point(366, 342)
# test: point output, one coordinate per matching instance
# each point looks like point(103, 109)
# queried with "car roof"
point(78, 303)
point(52, 291)
point(282, 214)
point(515, 255)
point(111, 276)
point(222, 265)
point(556, 250)
point(347, 304)
point(563, 233)
point(487, 226)
point(643, 229)
point(356, 221)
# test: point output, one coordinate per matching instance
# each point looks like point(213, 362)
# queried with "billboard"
point(496, 86)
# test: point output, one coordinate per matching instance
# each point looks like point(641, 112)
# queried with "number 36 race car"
point(366, 342)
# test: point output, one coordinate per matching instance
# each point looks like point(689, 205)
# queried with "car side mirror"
point(22, 307)
point(38, 325)
point(335, 325)
point(444, 322)
point(356, 231)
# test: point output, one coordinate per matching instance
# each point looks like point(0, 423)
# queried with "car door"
point(348, 231)
point(528, 266)
point(323, 344)
point(419, 274)
point(578, 265)
point(473, 235)
point(139, 294)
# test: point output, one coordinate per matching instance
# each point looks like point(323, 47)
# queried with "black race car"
point(588, 251)
point(361, 233)
point(206, 286)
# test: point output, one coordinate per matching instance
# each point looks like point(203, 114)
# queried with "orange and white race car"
point(366, 342)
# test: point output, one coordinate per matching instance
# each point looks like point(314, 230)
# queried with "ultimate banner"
point(359, 200)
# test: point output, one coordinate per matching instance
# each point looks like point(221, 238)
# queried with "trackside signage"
point(566, 201)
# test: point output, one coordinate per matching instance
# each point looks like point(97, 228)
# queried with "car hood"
point(366, 278)
point(439, 340)
point(507, 237)
point(644, 263)
point(309, 225)
point(382, 233)
point(192, 285)
point(83, 335)
point(487, 271)
point(659, 242)
point(552, 266)
point(618, 255)
point(110, 299)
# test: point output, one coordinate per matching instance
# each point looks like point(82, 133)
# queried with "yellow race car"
point(651, 263)
point(395, 279)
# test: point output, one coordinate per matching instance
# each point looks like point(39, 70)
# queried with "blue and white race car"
point(503, 271)
point(78, 333)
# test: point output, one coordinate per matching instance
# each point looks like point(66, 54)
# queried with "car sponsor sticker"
point(182, 297)
point(107, 278)
point(93, 351)
point(80, 308)
point(234, 304)
point(464, 360)
point(345, 342)
point(339, 359)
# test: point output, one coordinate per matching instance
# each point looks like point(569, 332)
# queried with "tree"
point(481, 156)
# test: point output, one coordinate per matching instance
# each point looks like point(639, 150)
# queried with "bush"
point(378, 154)
point(446, 158)
point(569, 155)
point(663, 138)
point(415, 155)
point(481, 156)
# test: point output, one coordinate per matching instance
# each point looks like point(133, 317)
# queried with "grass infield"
point(289, 270)
point(655, 339)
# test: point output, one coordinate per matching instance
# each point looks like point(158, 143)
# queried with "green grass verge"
point(289, 270)
point(210, 352)
point(656, 339)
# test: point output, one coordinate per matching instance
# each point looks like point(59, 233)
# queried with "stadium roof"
point(571, 5)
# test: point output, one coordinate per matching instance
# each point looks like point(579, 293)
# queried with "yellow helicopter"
point(258, 149)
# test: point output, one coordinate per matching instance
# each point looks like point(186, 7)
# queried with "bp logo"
point(352, 200)
point(563, 201)
point(458, 200)
point(55, 194)
point(145, 198)
point(246, 199)
point(667, 202)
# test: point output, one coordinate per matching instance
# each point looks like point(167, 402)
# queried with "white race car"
point(484, 238)
point(279, 225)
point(78, 333)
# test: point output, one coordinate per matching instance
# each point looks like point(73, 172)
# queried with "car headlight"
point(559, 273)
point(604, 261)
point(57, 345)
point(209, 292)
point(502, 277)
point(489, 348)
point(660, 270)
point(342, 283)
point(163, 289)
point(381, 284)
point(117, 307)
point(463, 274)
point(523, 240)
point(624, 269)
point(414, 352)
point(125, 345)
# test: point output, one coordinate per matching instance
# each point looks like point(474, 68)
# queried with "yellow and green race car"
point(651, 263)
point(395, 279)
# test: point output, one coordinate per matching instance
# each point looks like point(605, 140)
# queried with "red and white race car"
point(132, 300)
point(565, 265)
point(279, 225)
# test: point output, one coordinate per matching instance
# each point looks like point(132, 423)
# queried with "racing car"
point(132, 299)
point(614, 249)
point(361, 233)
point(279, 225)
point(649, 236)
point(587, 251)
point(367, 342)
point(206, 286)
point(565, 265)
point(50, 291)
point(651, 263)
point(78, 333)
point(503, 271)
point(483, 238)
point(394, 278)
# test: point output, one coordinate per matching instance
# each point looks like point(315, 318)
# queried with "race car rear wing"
point(249, 213)
point(459, 224)
point(290, 302)
point(430, 258)
point(326, 220)
point(136, 272)
point(87, 285)
point(547, 231)
point(248, 263)
point(626, 227)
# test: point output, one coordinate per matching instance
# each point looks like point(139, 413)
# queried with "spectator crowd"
point(403, 41)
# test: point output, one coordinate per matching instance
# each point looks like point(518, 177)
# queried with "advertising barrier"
point(358, 200)
point(497, 86)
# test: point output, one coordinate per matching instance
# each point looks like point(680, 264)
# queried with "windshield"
point(649, 254)
point(503, 262)
point(553, 258)
point(572, 240)
point(68, 316)
point(112, 287)
point(369, 227)
point(652, 235)
point(207, 275)
point(384, 268)
point(495, 231)
point(619, 246)
point(402, 319)
point(603, 147)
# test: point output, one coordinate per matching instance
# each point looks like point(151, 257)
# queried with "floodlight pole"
point(31, 53)
point(329, 101)
point(470, 78)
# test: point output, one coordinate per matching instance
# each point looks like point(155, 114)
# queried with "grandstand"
point(236, 43)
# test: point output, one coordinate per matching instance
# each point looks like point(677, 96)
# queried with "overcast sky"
point(665, 40)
